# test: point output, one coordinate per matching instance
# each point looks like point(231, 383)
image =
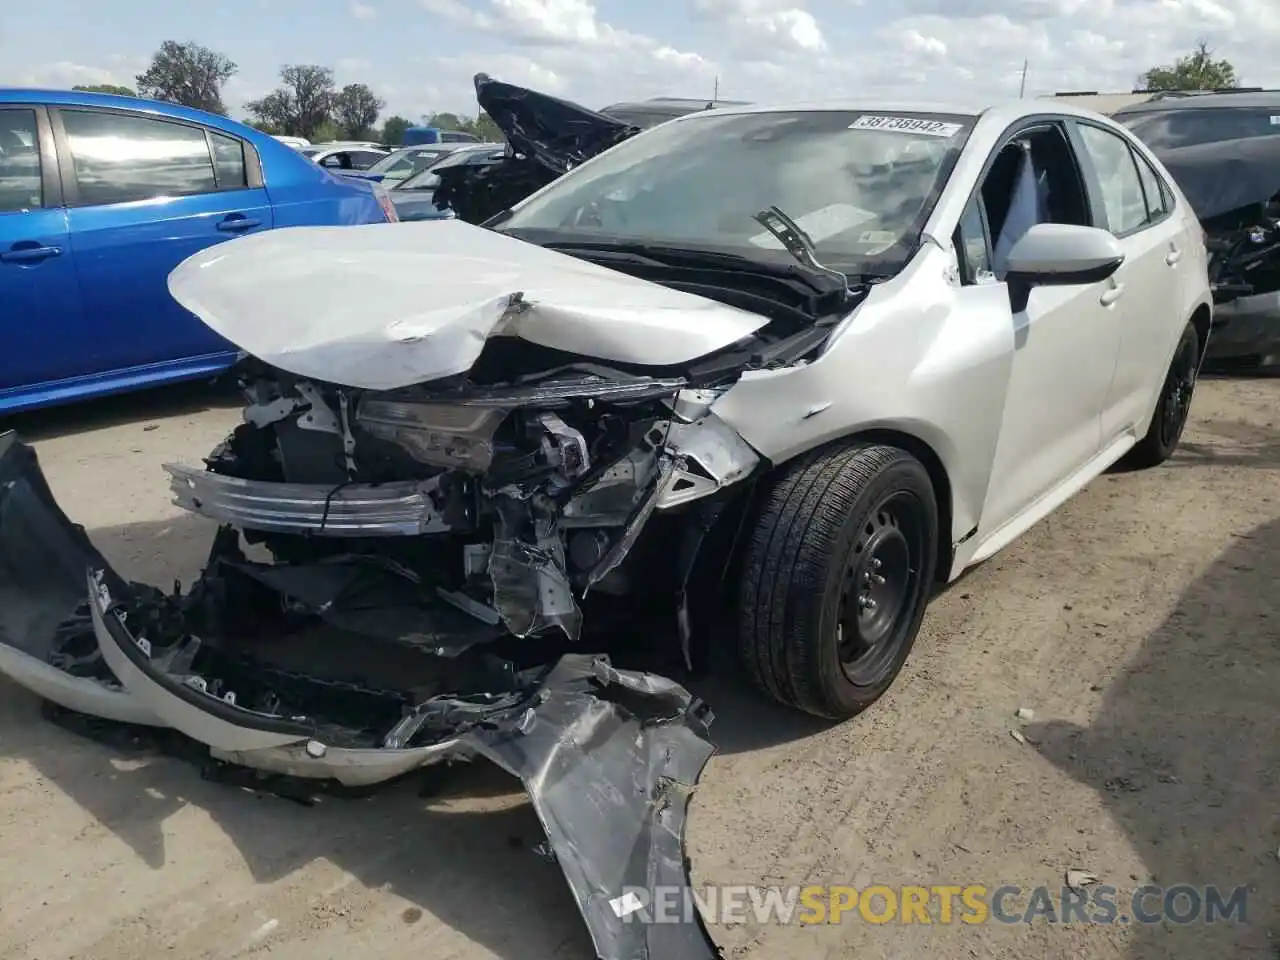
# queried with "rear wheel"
point(1173, 406)
point(836, 577)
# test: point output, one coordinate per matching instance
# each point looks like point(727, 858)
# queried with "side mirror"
point(1059, 254)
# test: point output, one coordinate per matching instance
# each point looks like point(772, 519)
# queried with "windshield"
point(1170, 129)
point(309, 151)
point(407, 161)
point(861, 185)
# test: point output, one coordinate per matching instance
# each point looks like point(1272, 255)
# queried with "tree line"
point(306, 104)
point(309, 104)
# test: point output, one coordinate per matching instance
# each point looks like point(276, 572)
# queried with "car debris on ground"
point(319, 670)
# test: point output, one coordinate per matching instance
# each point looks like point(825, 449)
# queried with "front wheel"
point(1173, 406)
point(836, 577)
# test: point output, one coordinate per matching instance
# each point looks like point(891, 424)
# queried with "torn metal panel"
point(713, 456)
point(298, 300)
point(610, 760)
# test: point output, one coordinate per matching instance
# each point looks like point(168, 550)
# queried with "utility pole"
point(1022, 89)
point(716, 93)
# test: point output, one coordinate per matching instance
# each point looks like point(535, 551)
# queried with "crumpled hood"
point(548, 137)
point(382, 306)
point(1220, 177)
point(556, 133)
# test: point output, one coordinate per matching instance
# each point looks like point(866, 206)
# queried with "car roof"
point(1003, 110)
point(84, 98)
point(1205, 101)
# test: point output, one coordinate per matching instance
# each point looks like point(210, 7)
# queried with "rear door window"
point(1117, 173)
point(20, 187)
point(119, 158)
point(1153, 188)
point(228, 162)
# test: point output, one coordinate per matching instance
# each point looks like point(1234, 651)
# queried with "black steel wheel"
point(837, 574)
point(882, 582)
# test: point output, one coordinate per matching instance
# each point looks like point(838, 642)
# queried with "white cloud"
point(770, 50)
point(362, 11)
point(757, 27)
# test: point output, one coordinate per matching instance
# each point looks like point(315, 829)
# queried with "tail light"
point(384, 201)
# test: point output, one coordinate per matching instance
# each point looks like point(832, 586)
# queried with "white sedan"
point(806, 361)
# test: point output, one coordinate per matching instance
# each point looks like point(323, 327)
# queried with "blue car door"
point(41, 320)
point(143, 194)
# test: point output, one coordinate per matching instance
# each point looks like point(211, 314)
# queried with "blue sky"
point(420, 54)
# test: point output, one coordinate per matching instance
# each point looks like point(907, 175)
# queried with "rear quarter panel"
point(305, 195)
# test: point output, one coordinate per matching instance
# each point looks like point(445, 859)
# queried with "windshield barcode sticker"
point(930, 128)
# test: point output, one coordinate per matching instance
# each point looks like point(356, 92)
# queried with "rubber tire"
point(1149, 451)
point(789, 598)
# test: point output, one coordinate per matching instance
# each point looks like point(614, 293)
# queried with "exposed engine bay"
point(460, 516)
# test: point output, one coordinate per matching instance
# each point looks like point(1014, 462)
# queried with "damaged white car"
point(755, 376)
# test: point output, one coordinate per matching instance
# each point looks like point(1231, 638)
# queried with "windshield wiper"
point(798, 243)
point(822, 282)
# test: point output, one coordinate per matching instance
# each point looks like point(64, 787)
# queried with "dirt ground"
point(1140, 623)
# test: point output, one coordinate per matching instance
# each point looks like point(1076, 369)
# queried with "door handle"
point(29, 254)
point(234, 224)
point(1111, 295)
point(1173, 256)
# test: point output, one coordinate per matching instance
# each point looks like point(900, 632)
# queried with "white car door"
point(1065, 340)
point(1137, 209)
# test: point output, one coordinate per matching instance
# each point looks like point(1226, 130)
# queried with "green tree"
point(393, 130)
point(325, 133)
point(301, 106)
point(106, 88)
point(189, 74)
point(1196, 71)
point(355, 110)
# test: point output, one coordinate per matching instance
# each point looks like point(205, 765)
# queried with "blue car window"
point(228, 161)
point(120, 158)
point(19, 161)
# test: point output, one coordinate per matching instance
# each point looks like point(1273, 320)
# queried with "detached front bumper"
point(609, 757)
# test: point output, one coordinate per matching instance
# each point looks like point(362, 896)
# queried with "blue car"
point(100, 198)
